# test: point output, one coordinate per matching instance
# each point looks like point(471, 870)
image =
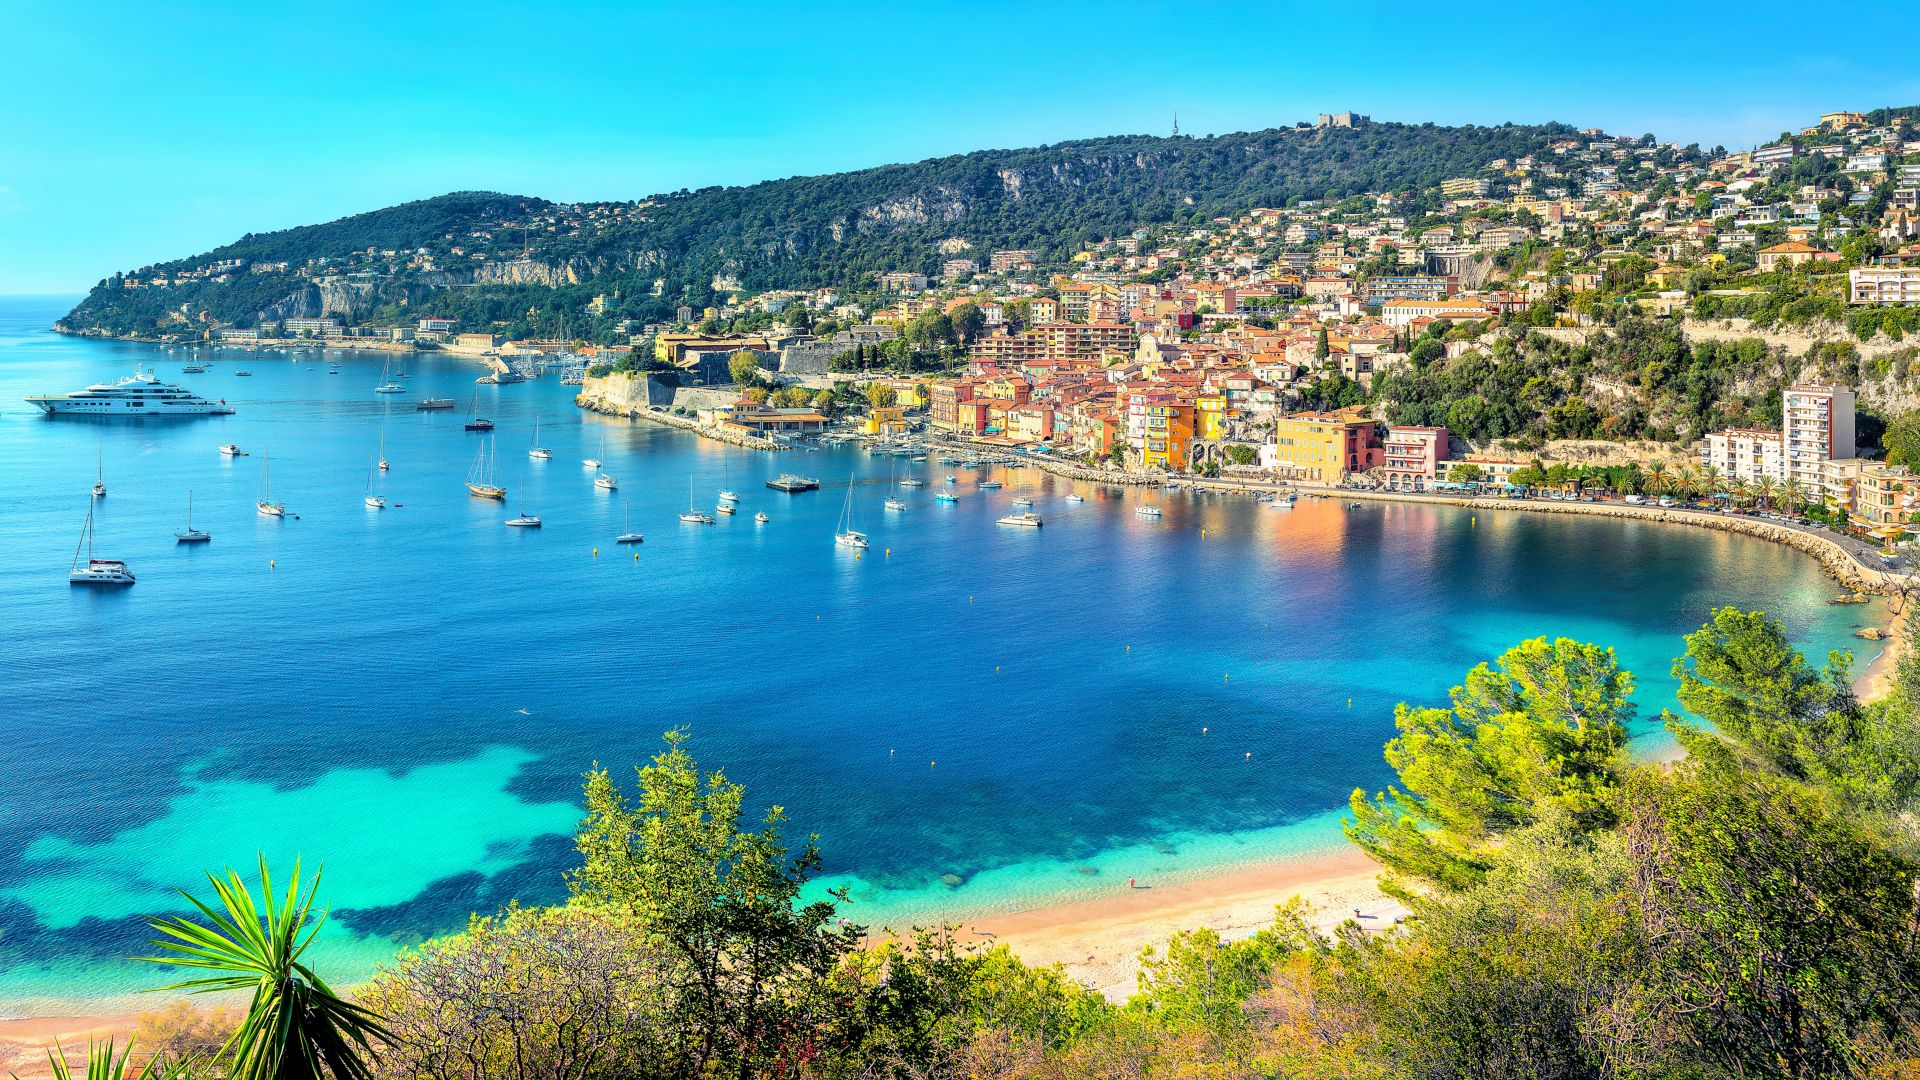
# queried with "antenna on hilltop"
point(1176, 123)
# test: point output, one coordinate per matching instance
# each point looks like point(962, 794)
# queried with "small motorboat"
point(243, 374)
point(1025, 518)
point(479, 424)
point(1076, 498)
point(953, 479)
point(762, 517)
point(232, 450)
point(591, 463)
point(1148, 511)
point(946, 497)
point(726, 508)
point(991, 485)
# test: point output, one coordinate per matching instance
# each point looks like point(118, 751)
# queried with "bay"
point(971, 717)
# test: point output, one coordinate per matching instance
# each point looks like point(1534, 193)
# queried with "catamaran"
point(387, 385)
point(192, 535)
point(844, 533)
point(480, 477)
point(538, 452)
point(266, 505)
point(96, 571)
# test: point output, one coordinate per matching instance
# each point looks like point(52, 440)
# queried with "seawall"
point(621, 394)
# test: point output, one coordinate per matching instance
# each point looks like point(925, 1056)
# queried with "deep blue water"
point(411, 695)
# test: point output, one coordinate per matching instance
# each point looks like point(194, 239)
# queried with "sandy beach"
point(1098, 942)
point(1876, 681)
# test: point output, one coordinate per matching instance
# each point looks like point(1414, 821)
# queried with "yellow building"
point(1169, 435)
point(1323, 448)
point(1210, 416)
point(887, 420)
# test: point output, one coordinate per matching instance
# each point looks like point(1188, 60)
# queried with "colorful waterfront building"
point(1414, 457)
point(1325, 447)
point(886, 420)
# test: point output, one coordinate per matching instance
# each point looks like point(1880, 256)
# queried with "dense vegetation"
point(1635, 379)
point(1751, 910)
point(834, 230)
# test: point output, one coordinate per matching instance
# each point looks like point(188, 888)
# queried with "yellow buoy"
point(889, 552)
point(1225, 678)
point(271, 564)
point(596, 553)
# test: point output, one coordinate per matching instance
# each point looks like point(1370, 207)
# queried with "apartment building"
point(1818, 429)
point(1413, 457)
point(1883, 285)
point(1745, 454)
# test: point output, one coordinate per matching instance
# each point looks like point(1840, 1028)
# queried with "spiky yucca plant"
point(296, 1027)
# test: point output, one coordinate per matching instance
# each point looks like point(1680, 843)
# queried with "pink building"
point(1414, 457)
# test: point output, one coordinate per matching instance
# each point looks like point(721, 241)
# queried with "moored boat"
point(96, 571)
point(139, 394)
point(1026, 518)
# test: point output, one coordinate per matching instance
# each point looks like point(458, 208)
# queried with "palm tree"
point(1687, 484)
point(296, 1027)
point(1711, 482)
point(1791, 497)
point(1657, 481)
point(1766, 489)
point(1740, 492)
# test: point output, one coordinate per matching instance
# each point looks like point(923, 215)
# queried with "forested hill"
point(793, 233)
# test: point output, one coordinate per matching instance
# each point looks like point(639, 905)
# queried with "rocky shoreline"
point(687, 424)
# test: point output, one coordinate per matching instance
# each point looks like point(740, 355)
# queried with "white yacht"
point(1025, 517)
point(1148, 511)
point(96, 571)
point(232, 450)
point(139, 394)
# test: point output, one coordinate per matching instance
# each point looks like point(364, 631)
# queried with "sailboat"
point(377, 502)
point(693, 516)
point(602, 480)
point(387, 385)
point(266, 505)
point(475, 421)
point(524, 520)
point(592, 462)
point(96, 571)
point(383, 449)
point(538, 453)
point(844, 533)
point(480, 477)
point(192, 535)
point(627, 535)
point(892, 503)
point(100, 474)
point(726, 483)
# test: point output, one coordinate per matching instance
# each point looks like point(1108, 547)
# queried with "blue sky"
point(132, 133)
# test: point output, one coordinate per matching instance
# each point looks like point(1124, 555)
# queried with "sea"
point(970, 717)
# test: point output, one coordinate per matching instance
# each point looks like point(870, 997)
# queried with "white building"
point(1883, 285)
point(1746, 454)
point(1819, 429)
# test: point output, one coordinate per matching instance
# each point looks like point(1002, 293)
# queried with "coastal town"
point(1245, 348)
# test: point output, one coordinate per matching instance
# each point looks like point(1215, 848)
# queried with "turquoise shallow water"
point(410, 696)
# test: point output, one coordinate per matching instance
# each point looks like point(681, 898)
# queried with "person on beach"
point(1130, 884)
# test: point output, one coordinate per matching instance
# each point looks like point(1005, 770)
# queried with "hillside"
point(800, 232)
